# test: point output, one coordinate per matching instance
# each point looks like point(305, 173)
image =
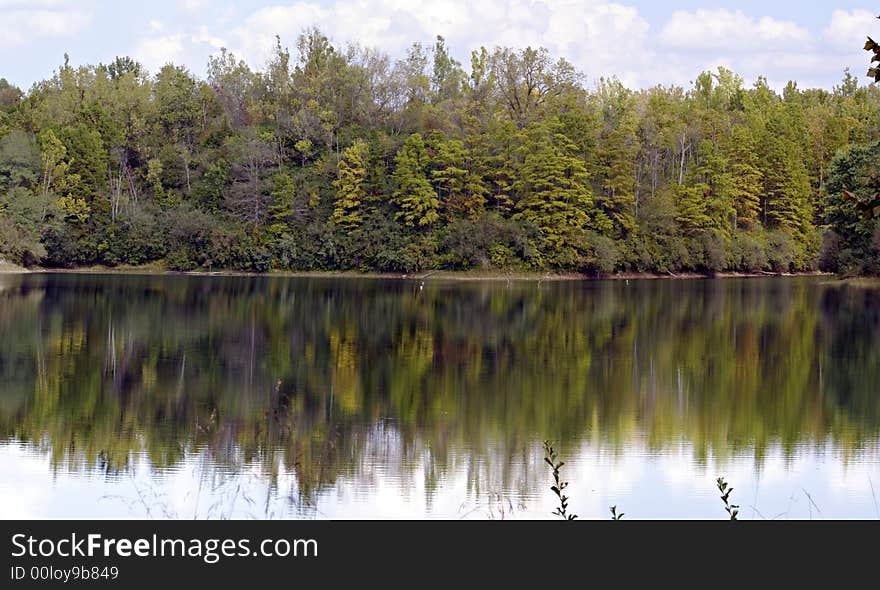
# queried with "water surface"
point(264, 397)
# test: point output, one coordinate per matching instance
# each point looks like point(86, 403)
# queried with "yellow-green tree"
point(349, 185)
point(554, 193)
point(746, 176)
point(415, 198)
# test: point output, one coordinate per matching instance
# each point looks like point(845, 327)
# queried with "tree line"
point(336, 158)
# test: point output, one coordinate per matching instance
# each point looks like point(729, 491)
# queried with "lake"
point(266, 397)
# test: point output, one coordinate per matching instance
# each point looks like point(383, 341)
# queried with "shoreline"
point(443, 275)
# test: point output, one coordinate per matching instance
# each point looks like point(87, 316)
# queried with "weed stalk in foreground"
point(552, 459)
point(732, 509)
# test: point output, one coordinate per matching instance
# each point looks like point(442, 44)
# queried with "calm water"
point(210, 397)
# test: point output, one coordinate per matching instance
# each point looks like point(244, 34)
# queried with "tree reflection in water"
point(313, 380)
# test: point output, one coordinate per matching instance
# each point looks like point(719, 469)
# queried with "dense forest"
point(337, 158)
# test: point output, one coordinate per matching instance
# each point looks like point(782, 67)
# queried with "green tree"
point(462, 190)
point(746, 177)
point(177, 111)
point(548, 172)
point(853, 182)
point(527, 79)
point(691, 206)
point(616, 157)
point(786, 188)
point(415, 198)
point(54, 165)
point(447, 77)
point(712, 171)
point(349, 185)
point(281, 208)
point(87, 159)
point(553, 193)
point(19, 160)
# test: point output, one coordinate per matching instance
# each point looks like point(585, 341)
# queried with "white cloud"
point(590, 34)
point(732, 32)
point(193, 5)
point(848, 28)
point(155, 52)
point(190, 49)
point(601, 37)
point(255, 37)
point(203, 37)
point(780, 50)
point(30, 3)
point(19, 27)
point(607, 39)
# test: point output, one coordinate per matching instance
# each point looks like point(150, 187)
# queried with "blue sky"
point(642, 42)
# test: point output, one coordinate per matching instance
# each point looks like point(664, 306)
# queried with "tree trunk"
point(186, 168)
point(681, 165)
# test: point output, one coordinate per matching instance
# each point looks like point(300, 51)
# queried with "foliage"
point(852, 180)
point(731, 509)
point(551, 458)
point(414, 196)
point(341, 158)
point(350, 193)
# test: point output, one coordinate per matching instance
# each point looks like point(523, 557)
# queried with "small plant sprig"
point(615, 515)
point(551, 458)
point(732, 509)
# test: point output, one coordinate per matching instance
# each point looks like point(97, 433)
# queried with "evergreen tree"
point(787, 189)
point(717, 182)
point(746, 177)
point(281, 207)
point(852, 211)
point(415, 198)
point(350, 194)
point(691, 201)
point(553, 193)
point(616, 157)
point(461, 190)
point(522, 165)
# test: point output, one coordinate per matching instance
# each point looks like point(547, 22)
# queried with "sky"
point(642, 42)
